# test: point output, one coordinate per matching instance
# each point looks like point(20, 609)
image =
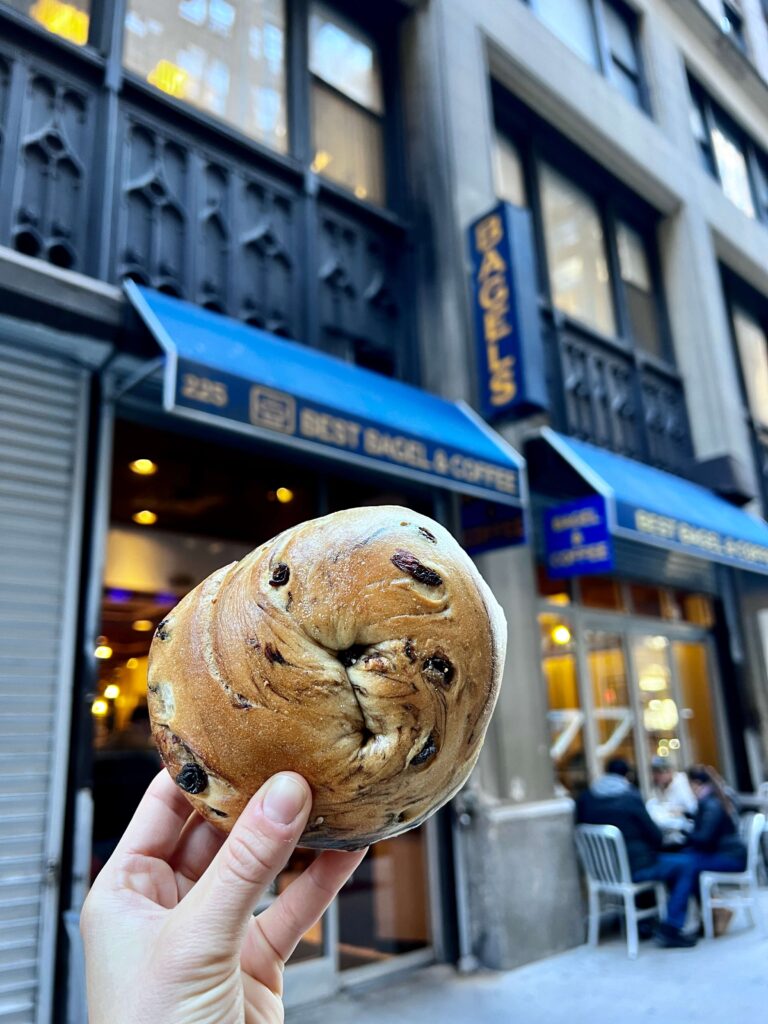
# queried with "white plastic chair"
point(735, 889)
point(603, 855)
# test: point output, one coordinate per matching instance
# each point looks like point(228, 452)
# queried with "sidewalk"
point(717, 982)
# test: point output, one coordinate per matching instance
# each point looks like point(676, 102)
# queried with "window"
point(70, 20)
point(732, 24)
point(729, 154)
point(573, 23)
point(625, 62)
point(603, 33)
point(508, 172)
point(752, 344)
point(347, 106)
point(576, 255)
point(732, 166)
point(639, 292)
point(227, 58)
point(576, 246)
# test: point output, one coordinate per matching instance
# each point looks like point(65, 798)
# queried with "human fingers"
point(256, 850)
point(197, 846)
point(155, 828)
point(279, 928)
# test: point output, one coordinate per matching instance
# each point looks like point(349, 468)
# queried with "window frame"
point(104, 50)
point(733, 25)
point(537, 144)
point(740, 295)
point(379, 119)
point(755, 157)
point(606, 61)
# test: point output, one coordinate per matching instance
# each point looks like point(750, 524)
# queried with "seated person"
point(613, 800)
point(672, 803)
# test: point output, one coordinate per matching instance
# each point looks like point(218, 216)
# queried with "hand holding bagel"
point(362, 650)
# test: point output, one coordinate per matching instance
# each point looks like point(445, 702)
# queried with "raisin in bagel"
point(362, 650)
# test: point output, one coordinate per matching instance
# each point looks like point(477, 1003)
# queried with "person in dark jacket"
point(613, 800)
point(713, 845)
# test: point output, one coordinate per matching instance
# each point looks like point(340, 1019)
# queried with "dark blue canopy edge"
point(654, 507)
point(220, 370)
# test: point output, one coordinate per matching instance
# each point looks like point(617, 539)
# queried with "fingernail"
point(284, 799)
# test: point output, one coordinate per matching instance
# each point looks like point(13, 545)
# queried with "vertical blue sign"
point(577, 538)
point(510, 356)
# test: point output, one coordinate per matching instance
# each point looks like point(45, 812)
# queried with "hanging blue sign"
point(510, 354)
point(577, 538)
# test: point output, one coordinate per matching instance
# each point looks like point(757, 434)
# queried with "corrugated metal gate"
point(43, 417)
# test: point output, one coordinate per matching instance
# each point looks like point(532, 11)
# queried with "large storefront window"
point(227, 58)
point(644, 655)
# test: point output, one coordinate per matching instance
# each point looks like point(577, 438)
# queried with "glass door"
point(565, 715)
point(659, 710)
point(612, 711)
point(692, 663)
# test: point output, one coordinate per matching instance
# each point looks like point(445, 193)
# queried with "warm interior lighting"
point(62, 20)
point(143, 467)
point(99, 707)
point(284, 495)
point(653, 679)
point(132, 663)
point(561, 634)
point(144, 518)
point(103, 651)
point(361, 192)
point(112, 691)
point(143, 625)
point(321, 161)
point(169, 78)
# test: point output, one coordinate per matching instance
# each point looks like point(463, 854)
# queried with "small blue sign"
point(510, 353)
point(577, 538)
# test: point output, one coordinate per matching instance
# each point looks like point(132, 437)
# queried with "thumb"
point(256, 850)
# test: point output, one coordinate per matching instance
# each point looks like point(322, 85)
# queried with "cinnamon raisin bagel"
point(362, 650)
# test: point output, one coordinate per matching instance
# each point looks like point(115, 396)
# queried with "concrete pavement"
point(724, 981)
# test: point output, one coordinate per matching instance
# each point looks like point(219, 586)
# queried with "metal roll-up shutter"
point(43, 415)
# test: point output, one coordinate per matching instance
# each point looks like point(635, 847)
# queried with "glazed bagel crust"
point(362, 650)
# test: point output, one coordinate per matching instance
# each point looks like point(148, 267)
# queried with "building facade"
point(636, 137)
point(319, 173)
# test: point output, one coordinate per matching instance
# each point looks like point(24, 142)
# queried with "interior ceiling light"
point(143, 625)
point(103, 652)
point(112, 691)
point(99, 707)
point(284, 495)
point(145, 517)
point(561, 634)
point(143, 467)
point(132, 663)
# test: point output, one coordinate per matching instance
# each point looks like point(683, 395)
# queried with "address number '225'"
point(201, 389)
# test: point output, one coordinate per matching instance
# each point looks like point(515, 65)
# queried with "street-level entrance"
point(630, 672)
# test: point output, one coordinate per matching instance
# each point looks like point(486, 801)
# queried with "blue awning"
point(221, 370)
point(654, 507)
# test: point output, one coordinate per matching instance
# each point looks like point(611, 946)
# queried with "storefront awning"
point(222, 371)
point(636, 502)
